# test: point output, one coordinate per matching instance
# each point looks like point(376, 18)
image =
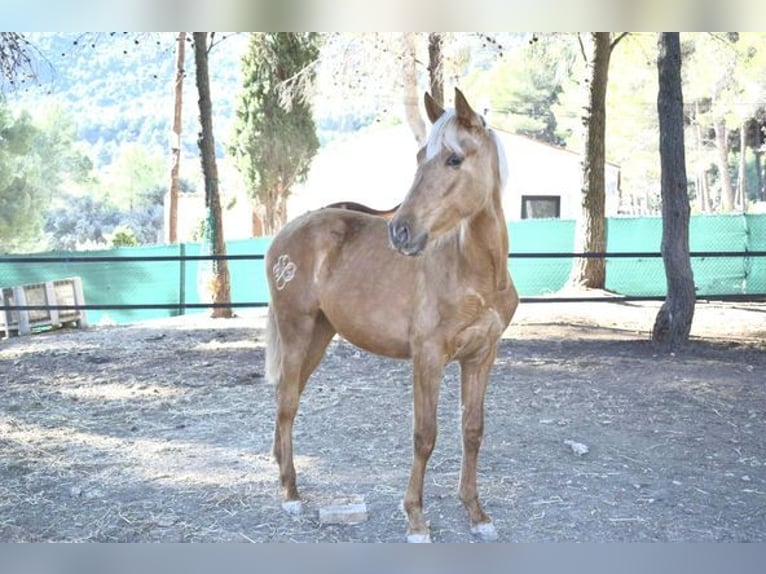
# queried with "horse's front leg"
point(474, 376)
point(427, 375)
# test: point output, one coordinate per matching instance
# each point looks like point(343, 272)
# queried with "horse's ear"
point(433, 110)
point(465, 113)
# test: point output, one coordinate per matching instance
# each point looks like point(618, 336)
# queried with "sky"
point(379, 15)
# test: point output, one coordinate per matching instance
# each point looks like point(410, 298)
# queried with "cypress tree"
point(275, 135)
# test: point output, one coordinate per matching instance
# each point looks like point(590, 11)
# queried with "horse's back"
point(309, 239)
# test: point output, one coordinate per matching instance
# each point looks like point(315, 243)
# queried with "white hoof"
point(415, 538)
point(419, 538)
point(486, 531)
point(293, 507)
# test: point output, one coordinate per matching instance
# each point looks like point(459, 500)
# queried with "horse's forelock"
point(444, 133)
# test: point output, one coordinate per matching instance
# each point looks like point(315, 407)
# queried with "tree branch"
point(15, 58)
point(582, 48)
point(617, 40)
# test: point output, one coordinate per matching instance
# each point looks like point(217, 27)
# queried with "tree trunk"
point(256, 228)
point(590, 272)
point(741, 202)
point(175, 145)
point(411, 95)
point(759, 175)
point(281, 211)
point(674, 320)
point(722, 144)
point(703, 192)
point(760, 187)
point(220, 284)
point(435, 68)
point(704, 186)
point(274, 209)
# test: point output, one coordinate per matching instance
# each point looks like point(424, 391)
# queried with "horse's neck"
point(484, 244)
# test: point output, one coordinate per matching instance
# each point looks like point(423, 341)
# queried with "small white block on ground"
point(349, 510)
point(578, 448)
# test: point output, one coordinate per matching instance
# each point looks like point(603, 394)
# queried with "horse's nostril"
point(403, 233)
point(400, 233)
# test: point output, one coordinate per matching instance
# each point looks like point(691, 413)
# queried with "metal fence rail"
point(126, 285)
point(182, 306)
point(260, 257)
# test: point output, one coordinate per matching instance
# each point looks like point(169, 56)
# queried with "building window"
point(540, 206)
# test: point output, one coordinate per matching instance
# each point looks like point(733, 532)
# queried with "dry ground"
point(160, 431)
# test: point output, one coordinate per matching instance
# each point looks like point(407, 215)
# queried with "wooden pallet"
point(49, 294)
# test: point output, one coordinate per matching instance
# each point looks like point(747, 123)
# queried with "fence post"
point(79, 299)
point(5, 316)
point(182, 278)
point(20, 298)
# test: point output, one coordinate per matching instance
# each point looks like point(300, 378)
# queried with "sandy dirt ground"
point(161, 431)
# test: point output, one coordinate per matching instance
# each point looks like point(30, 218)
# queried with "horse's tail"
point(273, 349)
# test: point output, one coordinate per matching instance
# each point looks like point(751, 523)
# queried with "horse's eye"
point(454, 160)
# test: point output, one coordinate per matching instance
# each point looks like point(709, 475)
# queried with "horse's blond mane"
point(444, 133)
point(502, 160)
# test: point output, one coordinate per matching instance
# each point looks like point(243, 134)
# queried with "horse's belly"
point(384, 345)
point(371, 329)
point(371, 313)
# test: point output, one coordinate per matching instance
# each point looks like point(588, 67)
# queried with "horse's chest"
point(479, 322)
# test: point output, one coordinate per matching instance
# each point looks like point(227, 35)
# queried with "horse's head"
point(459, 169)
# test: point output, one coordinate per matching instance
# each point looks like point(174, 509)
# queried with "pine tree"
point(590, 237)
point(221, 282)
point(275, 136)
point(674, 320)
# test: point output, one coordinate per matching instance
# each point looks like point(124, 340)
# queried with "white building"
point(545, 180)
point(376, 168)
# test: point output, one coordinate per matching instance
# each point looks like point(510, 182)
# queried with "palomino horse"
point(442, 293)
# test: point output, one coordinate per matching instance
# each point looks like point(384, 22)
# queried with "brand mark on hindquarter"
point(284, 272)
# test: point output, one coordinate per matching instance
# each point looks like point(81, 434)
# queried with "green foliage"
point(133, 177)
point(524, 90)
point(123, 236)
point(38, 160)
point(85, 222)
point(81, 222)
point(632, 126)
point(117, 86)
point(275, 136)
point(725, 89)
point(21, 198)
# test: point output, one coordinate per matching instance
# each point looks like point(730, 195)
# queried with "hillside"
point(119, 87)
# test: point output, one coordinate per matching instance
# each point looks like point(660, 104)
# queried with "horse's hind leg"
point(303, 343)
point(474, 375)
point(320, 338)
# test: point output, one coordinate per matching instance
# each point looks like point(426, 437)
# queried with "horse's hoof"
point(293, 507)
point(416, 538)
point(419, 538)
point(486, 531)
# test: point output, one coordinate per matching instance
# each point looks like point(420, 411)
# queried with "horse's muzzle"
point(403, 239)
